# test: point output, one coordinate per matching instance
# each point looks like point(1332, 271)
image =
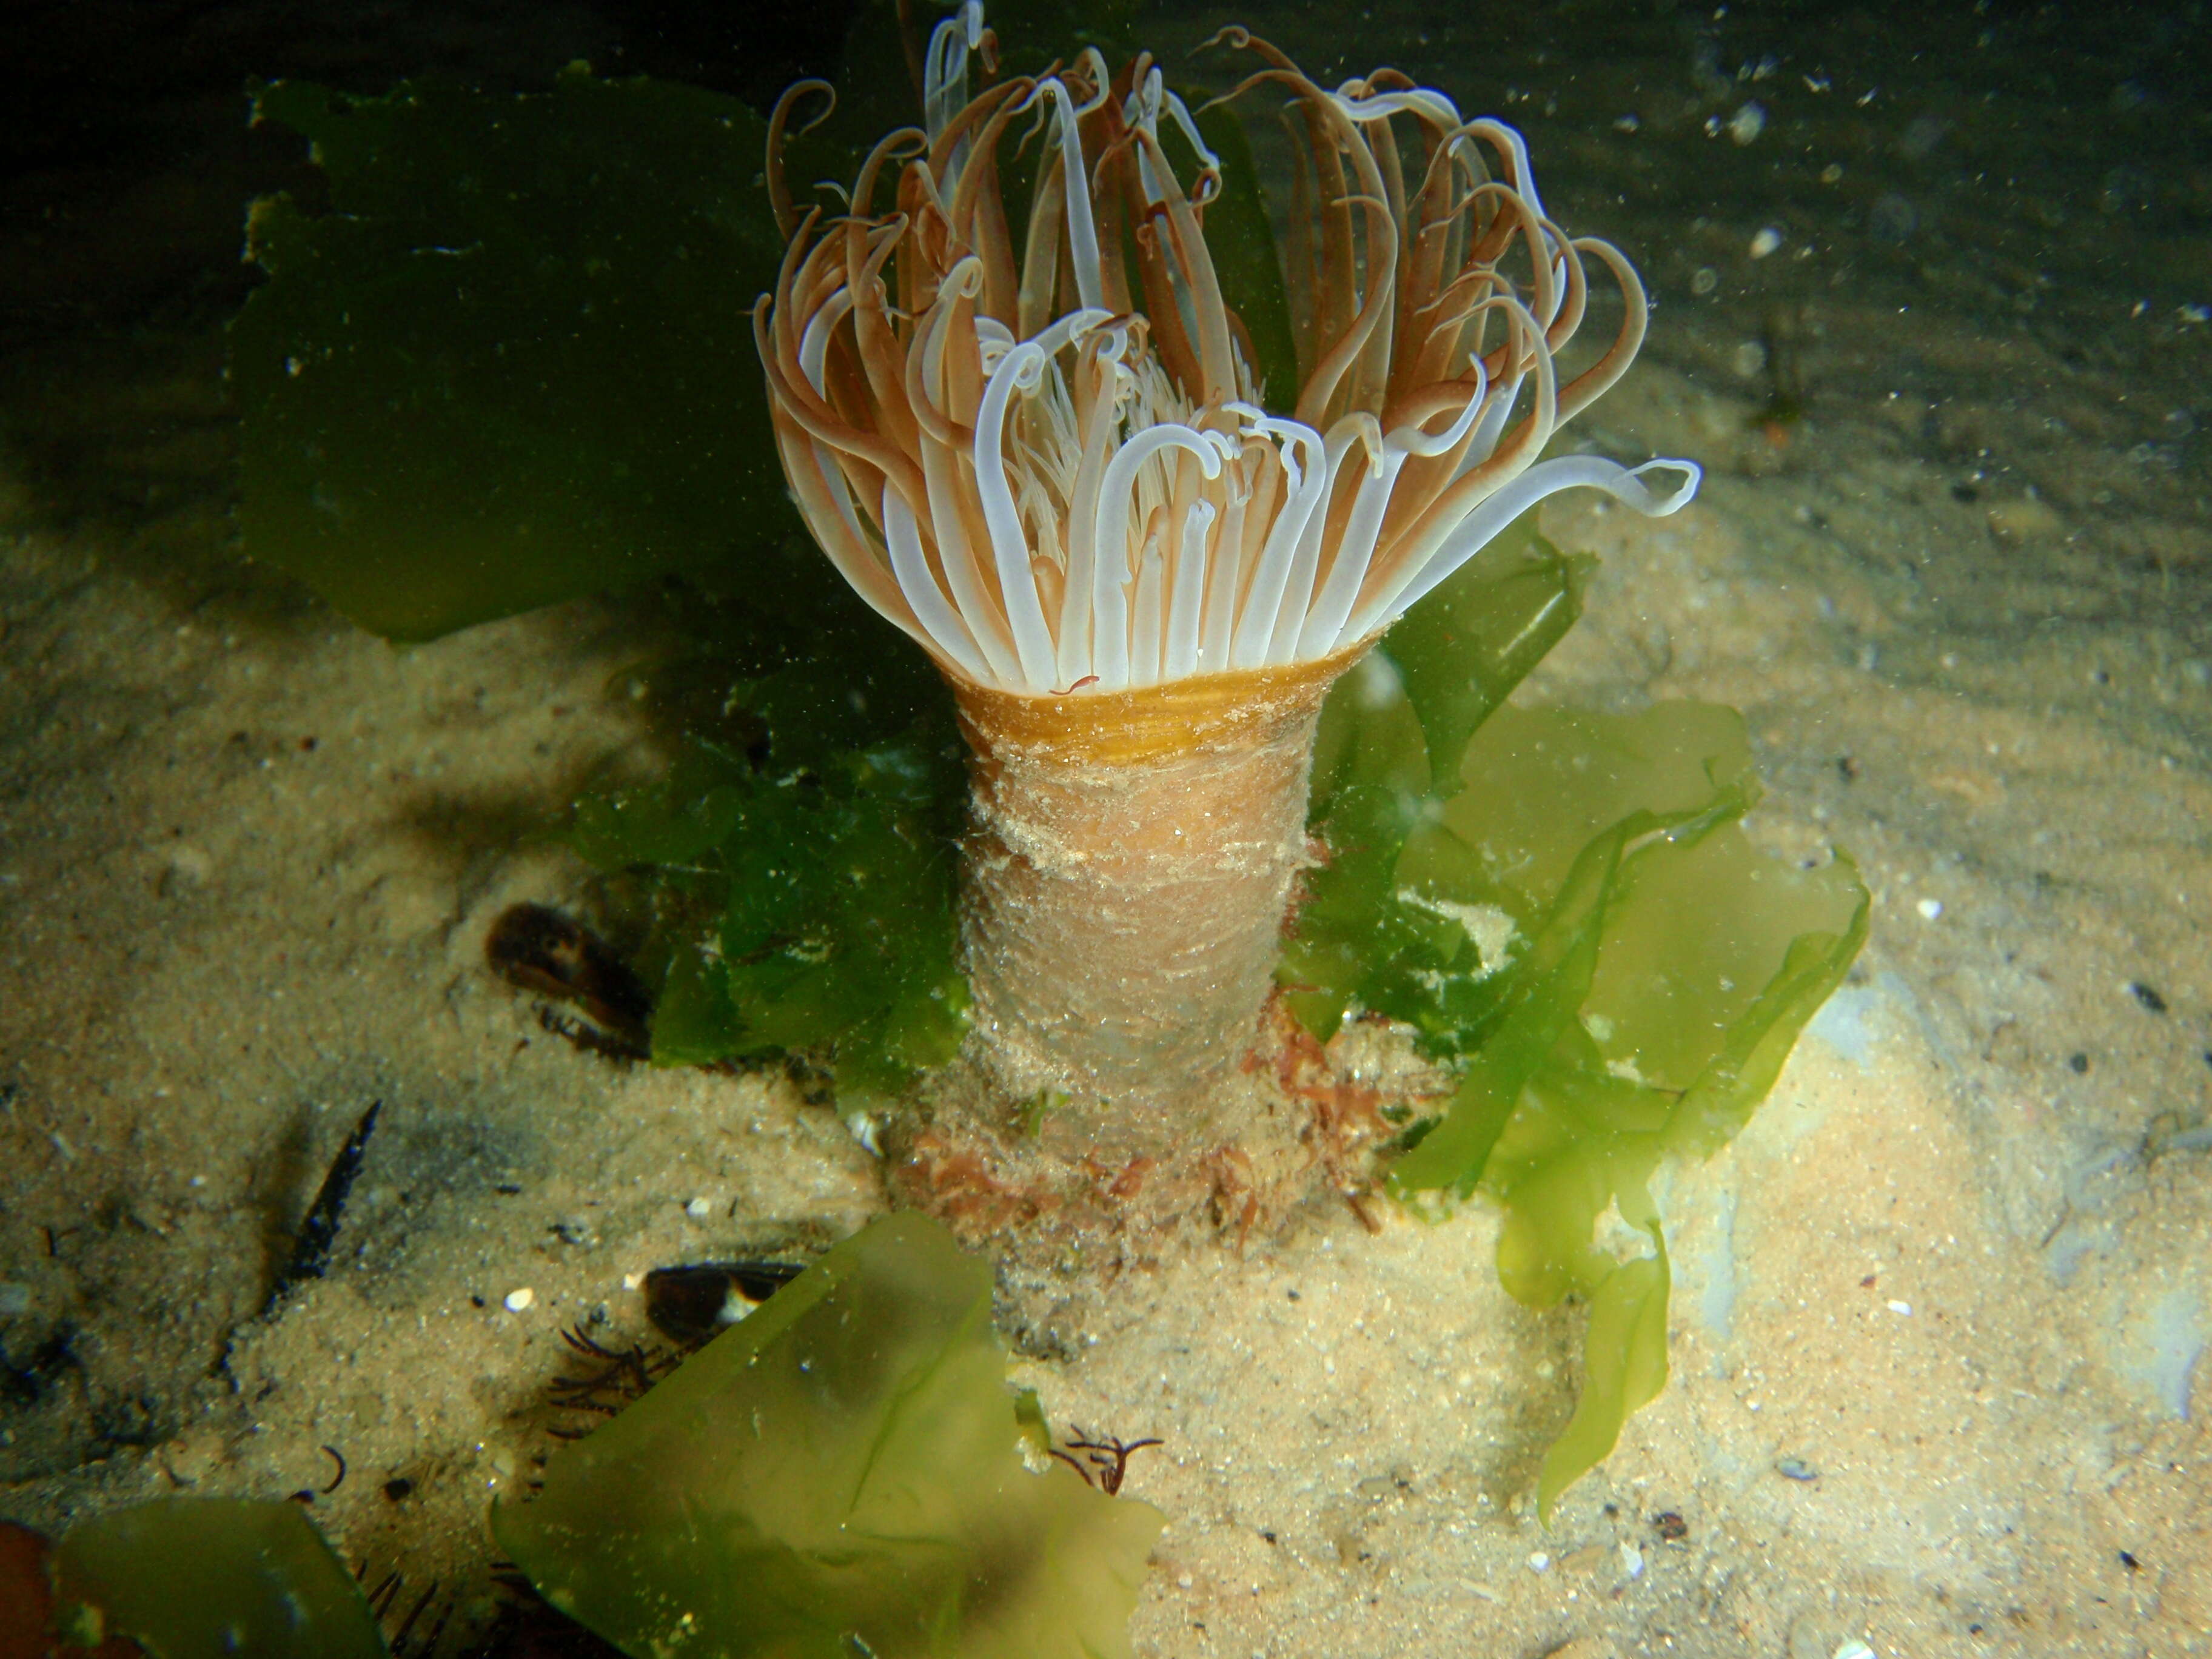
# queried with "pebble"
point(1632, 1561)
point(2025, 520)
point(1904, 1308)
point(2148, 995)
point(1855, 1648)
point(1930, 908)
point(1540, 1562)
point(1796, 1469)
point(1767, 241)
point(698, 1209)
point(516, 1300)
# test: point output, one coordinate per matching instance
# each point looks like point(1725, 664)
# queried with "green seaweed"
point(1575, 923)
point(1464, 647)
point(1475, 638)
point(208, 1577)
point(799, 857)
point(1624, 1369)
point(841, 1473)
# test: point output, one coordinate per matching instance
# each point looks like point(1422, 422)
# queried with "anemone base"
point(1295, 1129)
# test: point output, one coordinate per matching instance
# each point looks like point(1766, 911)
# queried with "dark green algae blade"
point(841, 1474)
point(1421, 695)
point(512, 362)
point(1402, 719)
point(1605, 848)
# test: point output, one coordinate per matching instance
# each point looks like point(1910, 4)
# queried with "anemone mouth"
point(1053, 467)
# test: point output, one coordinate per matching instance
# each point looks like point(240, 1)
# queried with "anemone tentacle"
point(1051, 464)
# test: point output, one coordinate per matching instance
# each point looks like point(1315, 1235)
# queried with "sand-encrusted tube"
point(1132, 860)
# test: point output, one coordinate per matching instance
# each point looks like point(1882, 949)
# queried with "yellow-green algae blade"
point(1624, 1368)
point(839, 1475)
point(1710, 957)
point(209, 1578)
point(1642, 976)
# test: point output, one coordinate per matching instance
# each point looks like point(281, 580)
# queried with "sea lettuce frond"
point(1571, 917)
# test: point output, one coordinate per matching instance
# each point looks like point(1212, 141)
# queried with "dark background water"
point(2070, 132)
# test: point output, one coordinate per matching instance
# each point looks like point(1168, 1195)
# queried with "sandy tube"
point(1129, 866)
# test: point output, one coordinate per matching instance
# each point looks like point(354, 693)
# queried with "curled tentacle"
point(1054, 483)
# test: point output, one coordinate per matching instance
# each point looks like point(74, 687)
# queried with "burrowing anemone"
point(1050, 465)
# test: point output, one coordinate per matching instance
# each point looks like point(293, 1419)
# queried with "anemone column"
point(1132, 860)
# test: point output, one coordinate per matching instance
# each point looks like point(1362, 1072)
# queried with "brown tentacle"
point(779, 124)
point(1601, 376)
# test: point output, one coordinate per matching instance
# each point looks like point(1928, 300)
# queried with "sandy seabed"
point(1939, 1313)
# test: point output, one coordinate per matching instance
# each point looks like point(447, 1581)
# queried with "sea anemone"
point(1050, 461)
